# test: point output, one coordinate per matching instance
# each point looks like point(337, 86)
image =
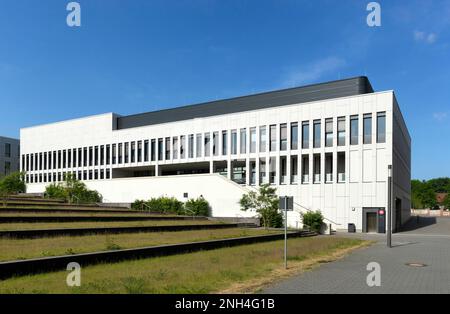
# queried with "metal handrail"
point(192, 212)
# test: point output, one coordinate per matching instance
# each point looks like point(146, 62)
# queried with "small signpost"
point(286, 203)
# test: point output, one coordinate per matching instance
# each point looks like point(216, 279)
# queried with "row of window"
point(58, 177)
point(239, 173)
point(207, 144)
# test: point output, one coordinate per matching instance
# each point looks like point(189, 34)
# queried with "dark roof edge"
point(303, 94)
point(364, 79)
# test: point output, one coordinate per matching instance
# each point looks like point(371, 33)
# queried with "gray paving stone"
point(426, 242)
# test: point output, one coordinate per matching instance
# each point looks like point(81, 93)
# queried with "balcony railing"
point(341, 177)
point(317, 178)
point(329, 178)
point(305, 179)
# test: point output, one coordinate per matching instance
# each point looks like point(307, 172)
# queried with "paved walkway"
point(426, 242)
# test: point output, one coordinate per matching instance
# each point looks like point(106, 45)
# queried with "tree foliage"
point(12, 184)
point(265, 203)
point(423, 193)
point(313, 220)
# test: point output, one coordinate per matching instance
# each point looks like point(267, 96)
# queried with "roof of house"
point(329, 90)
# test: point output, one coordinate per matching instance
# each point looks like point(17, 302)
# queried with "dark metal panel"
point(323, 91)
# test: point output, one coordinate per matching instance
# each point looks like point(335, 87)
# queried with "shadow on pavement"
point(417, 222)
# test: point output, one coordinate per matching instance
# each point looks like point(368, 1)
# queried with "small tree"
point(72, 190)
point(265, 203)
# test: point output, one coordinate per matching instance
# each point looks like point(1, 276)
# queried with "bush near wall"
point(313, 220)
point(73, 191)
point(170, 205)
point(12, 184)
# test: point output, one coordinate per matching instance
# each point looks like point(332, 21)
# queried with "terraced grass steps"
point(67, 209)
point(54, 218)
point(41, 233)
point(39, 265)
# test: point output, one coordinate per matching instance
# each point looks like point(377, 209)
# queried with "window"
point(243, 141)
point(182, 146)
point(40, 160)
point(262, 170)
point(95, 156)
point(329, 168)
point(160, 149)
point(153, 150)
point(198, 145)
point(368, 128)
point(102, 155)
point(59, 159)
point(146, 147)
point(294, 136)
point(108, 154)
point(294, 169)
point(79, 158)
point(305, 135)
point(341, 131)
point(316, 167)
point(127, 152)
point(91, 159)
point(341, 167)
point(272, 170)
point(354, 130)
point(273, 138)
point(7, 150)
point(207, 142)
point(262, 139)
point(54, 159)
point(283, 137)
point(224, 142)
point(133, 152)
point(120, 153)
point(329, 132)
point(381, 127)
point(114, 154)
point(233, 142)
point(7, 167)
point(175, 147)
point(139, 151)
point(167, 148)
point(317, 129)
point(216, 143)
point(45, 160)
point(283, 170)
point(191, 146)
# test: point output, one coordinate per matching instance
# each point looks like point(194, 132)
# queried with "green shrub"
point(197, 207)
point(313, 220)
point(73, 191)
point(12, 184)
point(163, 204)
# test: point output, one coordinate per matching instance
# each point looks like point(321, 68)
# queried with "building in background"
point(9, 155)
point(328, 145)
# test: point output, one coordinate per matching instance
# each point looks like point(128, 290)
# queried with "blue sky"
point(140, 55)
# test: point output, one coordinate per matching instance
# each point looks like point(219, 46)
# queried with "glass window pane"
point(243, 140)
point(283, 136)
point(305, 135)
point(368, 128)
point(273, 138)
point(354, 130)
point(294, 136)
point(381, 127)
point(317, 128)
point(262, 139)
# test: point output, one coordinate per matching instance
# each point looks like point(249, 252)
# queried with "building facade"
point(9, 155)
point(328, 145)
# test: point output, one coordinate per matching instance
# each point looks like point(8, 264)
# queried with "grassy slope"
point(12, 249)
point(201, 272)
point(100, 224)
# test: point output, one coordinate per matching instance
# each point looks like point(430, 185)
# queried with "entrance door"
point(372, 226)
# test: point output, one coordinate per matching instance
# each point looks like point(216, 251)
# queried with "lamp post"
point(389, 211)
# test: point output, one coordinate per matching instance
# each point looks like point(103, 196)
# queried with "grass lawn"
point(100, 224)
point(70, 214)
point(13, 249)
point(245, 268)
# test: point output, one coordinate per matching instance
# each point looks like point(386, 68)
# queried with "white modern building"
point(9, 155)
point(328, 145)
